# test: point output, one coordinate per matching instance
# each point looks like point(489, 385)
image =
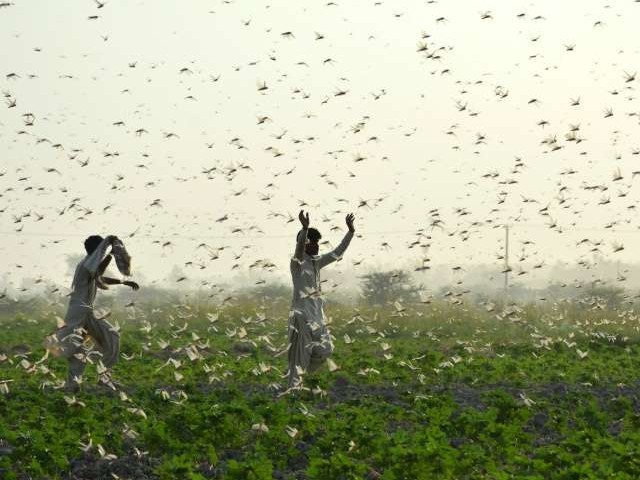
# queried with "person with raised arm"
point(309, 339)
point(81, 321)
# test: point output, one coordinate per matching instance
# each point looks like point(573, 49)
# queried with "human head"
point(313, 237)
point(91, 243)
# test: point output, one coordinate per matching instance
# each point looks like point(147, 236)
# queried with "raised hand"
point(350, 218)
point(304, 220)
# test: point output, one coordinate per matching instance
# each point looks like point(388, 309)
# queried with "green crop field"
point(425, 391)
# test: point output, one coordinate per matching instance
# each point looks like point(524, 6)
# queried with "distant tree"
point(267, 291)
point(379, 288)
point(611, 297)
point(177, 275)
point(72, 260)
point(559, 290)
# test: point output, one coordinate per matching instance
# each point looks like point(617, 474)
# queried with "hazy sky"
point(358, 119)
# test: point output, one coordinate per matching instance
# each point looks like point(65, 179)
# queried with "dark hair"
point(312, 234)
point(91, 243)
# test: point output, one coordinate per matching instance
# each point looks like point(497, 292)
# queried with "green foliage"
point(258, 468)
point(381, 288)
point(434, 391)
point(338, 466)
point(610, 297)
point(178, 466)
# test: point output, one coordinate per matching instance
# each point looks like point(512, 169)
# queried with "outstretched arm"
point(337, 252)
point(302, 236)
point(115, 281)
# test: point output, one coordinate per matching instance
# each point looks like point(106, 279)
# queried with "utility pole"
point(506, 258)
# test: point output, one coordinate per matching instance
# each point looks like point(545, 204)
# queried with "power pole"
point(506, 258)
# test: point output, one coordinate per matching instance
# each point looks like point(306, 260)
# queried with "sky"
point(177, 124)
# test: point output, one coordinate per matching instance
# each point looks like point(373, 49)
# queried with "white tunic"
point(83, 288)
point(80, 318)
point(309, 339)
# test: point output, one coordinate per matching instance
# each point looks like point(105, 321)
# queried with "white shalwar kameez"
point(81, 320)
point(309, 339)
